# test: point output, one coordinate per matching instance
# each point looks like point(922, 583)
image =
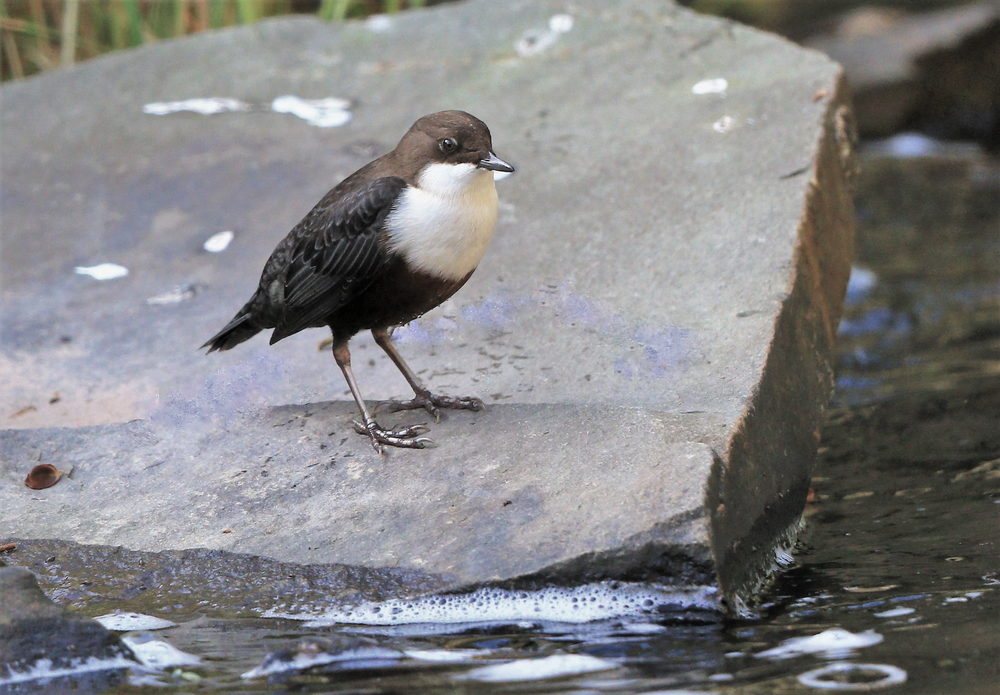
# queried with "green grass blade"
point(335, 10)
point(246, 11)
point(134, 22)
point(180, 17)
point(117, 21)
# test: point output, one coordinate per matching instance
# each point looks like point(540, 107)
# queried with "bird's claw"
point(403, 437)
point(432, 402)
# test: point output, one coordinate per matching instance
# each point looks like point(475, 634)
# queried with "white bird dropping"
point(717, 85)
point(103, 271)
point(217, 243)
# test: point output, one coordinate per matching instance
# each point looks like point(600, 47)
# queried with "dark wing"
point(330, 257)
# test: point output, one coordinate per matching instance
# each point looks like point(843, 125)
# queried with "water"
point(896, 581)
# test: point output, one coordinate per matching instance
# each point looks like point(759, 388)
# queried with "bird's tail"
point(241, 328)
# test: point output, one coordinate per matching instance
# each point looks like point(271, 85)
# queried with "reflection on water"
point(897, 581)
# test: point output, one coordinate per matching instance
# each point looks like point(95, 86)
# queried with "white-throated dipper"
point(389, 243)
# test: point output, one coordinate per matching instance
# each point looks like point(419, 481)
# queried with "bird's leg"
point(406, 437)
point(423, 398)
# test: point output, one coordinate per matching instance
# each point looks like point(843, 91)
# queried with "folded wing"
point(330, 257)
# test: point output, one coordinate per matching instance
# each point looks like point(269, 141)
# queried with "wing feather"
point(331, 256)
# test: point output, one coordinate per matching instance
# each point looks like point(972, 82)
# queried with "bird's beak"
point(494, 163)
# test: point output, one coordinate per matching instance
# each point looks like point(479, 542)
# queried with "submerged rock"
point(340, 652)
point(98, 577)
point(44, 646)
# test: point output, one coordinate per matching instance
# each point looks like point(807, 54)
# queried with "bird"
point(387, 244)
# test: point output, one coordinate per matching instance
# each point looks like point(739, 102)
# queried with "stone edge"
point(758, 487)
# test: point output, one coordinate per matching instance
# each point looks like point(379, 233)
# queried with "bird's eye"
point(449, 145)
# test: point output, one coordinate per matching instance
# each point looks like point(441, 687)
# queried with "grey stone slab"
point(98, 579)
point(662, 291)
point(486, 506)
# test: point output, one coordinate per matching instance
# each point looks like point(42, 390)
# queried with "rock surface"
point(101, 579)
point(246, 488)
point(651, 327)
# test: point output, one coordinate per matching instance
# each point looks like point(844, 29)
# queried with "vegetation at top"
point(37, 35)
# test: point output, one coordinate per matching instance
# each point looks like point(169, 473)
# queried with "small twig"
point(6, 547)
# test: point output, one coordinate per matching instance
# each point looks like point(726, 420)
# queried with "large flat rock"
point(652, 323)
point(471, 505)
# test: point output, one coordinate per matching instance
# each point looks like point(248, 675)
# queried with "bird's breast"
point(445, 232)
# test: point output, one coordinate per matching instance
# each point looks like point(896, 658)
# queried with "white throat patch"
point(444, 224)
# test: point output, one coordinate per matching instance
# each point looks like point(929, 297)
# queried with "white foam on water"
point(895, 612)
point(310, 657)
point(156, 654)
point(820, 678)
point(446, 656)
point(835, 643)
point(580, 604)
point(127, 622)
point(103, 271)
point(206, 107)
point(322, 113)
point(555, 666)
point(151, 654)
point(298, 663)
point(219, 242)
point(715, 85)
point(643, 628)
point(42, 669)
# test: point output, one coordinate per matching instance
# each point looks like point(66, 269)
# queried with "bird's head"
point(455, 144)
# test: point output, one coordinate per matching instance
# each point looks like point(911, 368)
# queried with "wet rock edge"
point(98, 578)
point(34, 630)
point(782, 421)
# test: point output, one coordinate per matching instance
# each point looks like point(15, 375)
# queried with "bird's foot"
point(403, 437)
point(432, 402)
